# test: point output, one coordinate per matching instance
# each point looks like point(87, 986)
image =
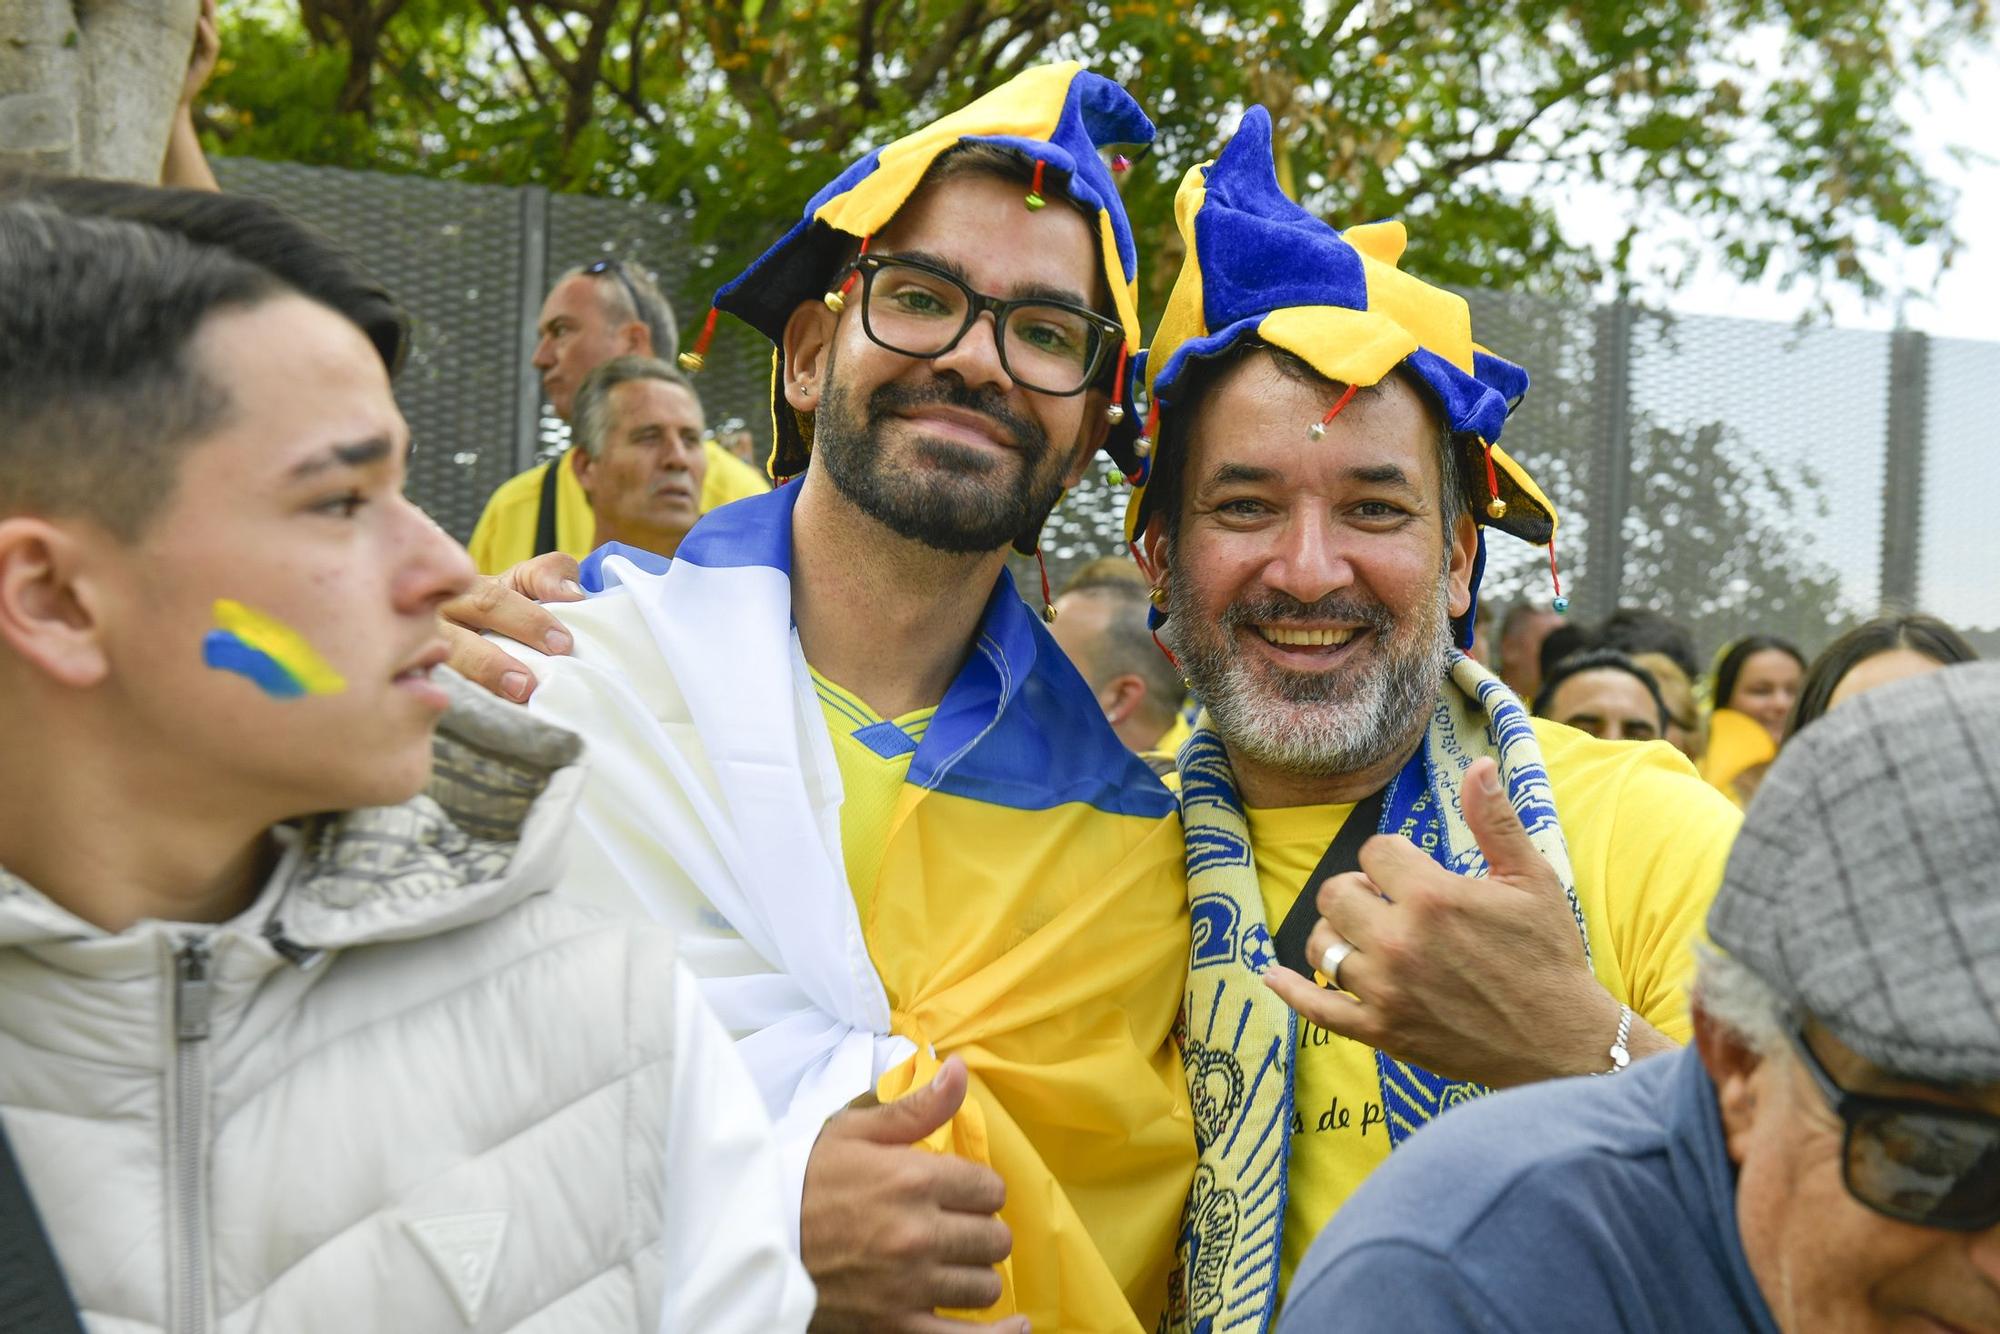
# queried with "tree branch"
point(1450, 169)
point(864, 55)
point(922, 79)
point(500, 20)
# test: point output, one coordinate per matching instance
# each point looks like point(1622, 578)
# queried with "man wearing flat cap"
point(834, 747)
point(1486, 899)
point(1824, 1160)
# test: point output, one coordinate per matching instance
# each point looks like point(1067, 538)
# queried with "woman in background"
point(1884, 650)
point(1756, 683)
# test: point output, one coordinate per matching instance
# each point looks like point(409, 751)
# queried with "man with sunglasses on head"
point(595, 312)
point(1824, 1160)
point(834, 747)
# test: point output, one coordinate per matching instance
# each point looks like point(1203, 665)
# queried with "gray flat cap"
point(1865, 886)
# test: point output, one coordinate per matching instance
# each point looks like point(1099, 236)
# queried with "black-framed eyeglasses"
point(1913, 1161)
point(919, 310)
point(616, 269)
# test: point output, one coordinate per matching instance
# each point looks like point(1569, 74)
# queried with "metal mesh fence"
point(1734, 474)
point(1757, 456)
point(1959, 562)
point(452, 254)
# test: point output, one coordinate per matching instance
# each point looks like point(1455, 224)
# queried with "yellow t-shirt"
point(874, 758)
point(1647, 841)
point(505, 534)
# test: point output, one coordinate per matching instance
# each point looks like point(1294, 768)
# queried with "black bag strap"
point(34, 1299)
point(1342, 855)
point(545, 514)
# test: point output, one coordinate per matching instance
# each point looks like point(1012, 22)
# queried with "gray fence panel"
point(1556, 434)
point(1959, 544)
point(1758, 457)
point(451, 253)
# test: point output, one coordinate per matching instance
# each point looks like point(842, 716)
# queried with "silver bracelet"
point(1621, 1056)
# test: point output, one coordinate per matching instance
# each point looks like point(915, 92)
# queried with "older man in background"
point(639, 436)
point(594, 313)
point(1825, 1159)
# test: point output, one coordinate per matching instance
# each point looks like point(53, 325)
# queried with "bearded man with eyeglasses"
point(1824, 1160)
point(910, 859)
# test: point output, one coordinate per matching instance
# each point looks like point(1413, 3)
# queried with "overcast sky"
point(1962, 304)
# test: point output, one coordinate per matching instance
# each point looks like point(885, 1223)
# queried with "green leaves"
point(1770, 125)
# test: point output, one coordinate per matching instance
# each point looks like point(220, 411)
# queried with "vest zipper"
point(190, 1210)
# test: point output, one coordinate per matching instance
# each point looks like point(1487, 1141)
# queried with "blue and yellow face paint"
point(268, 652)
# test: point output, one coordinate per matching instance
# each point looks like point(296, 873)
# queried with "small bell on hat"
point(1496, 508)
point(836, 300)
point(1115, 414)
point(696, 357)
point(1317, 431)
point(1034, 201)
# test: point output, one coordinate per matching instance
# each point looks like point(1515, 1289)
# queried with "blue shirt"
point(1575, 1207)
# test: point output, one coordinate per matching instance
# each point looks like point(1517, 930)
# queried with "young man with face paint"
point(1825, 1158)
point(1360, 800)
point(900, 842)
point(291, 1033)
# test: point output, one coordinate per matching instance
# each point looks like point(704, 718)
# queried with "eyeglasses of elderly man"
point(1913, 1161)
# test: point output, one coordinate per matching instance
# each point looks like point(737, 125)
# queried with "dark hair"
point(1731, 666)
point(1637, 630)
point(253, 230)
point(1918, 633)
point(1202, 374)
point(1568, 638)
point(591, 411)
point(98, 390)
point(1599, 660)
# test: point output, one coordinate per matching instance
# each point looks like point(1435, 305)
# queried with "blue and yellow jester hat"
point(1258, 264)
point(1060, 117)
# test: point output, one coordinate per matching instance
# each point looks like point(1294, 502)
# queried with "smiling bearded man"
point(1490, 900)
point(836, 750)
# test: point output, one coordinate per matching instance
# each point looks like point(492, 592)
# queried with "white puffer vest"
point(407, 1091)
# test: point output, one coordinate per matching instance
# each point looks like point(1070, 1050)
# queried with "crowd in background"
point(1068, 962)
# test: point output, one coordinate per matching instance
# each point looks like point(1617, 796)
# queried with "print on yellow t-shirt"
point(874, 758)
point(1647, 845)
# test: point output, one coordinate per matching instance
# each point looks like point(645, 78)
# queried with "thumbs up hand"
point(1472, 977)
point(890, 1232)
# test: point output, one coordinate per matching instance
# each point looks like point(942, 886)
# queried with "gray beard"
point(1313, 724)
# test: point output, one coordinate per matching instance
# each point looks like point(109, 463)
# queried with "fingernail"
point(574, 589)
point(558, 641)
point(514, 685)
point(1490, 781)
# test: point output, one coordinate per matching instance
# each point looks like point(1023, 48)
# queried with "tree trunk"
point(89, 87)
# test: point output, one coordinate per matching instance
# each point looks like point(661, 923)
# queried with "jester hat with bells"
point(1060, 119)
point(1259, 265)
